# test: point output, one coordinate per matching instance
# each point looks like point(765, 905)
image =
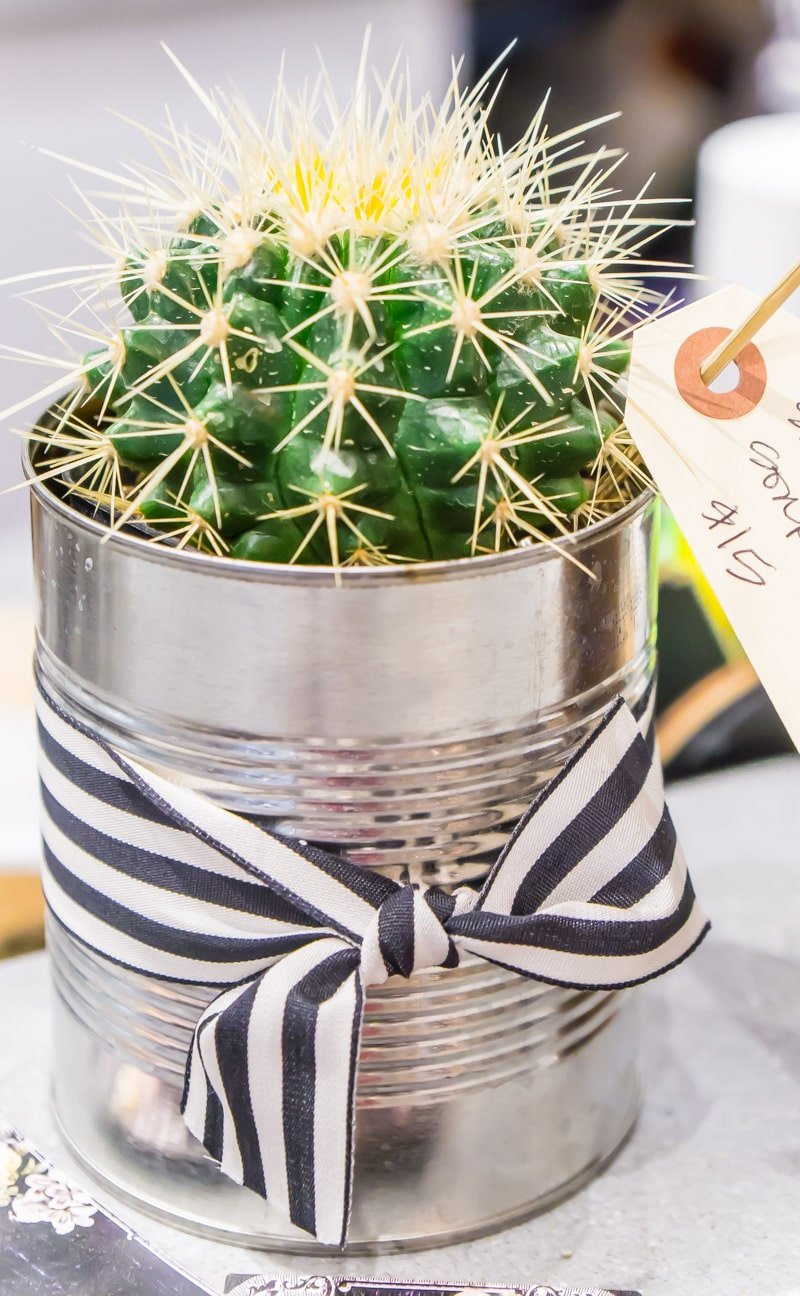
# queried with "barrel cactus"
point(373, 338)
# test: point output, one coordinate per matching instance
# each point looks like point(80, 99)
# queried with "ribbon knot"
point(408, 933)
point(590, 891)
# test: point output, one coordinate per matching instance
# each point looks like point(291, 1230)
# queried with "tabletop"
point(705, 1197)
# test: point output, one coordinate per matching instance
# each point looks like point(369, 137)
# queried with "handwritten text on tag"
point(728, 465)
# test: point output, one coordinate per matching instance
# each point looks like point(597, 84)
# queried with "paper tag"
point(728, 465)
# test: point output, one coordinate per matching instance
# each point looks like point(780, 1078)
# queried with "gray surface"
point(706, 1196)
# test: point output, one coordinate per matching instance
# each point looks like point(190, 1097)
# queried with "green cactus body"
point(374, 353)
point(382, 412)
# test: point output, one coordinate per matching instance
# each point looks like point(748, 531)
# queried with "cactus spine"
point(359, 337)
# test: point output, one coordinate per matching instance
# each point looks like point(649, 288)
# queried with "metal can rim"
point(312, 575)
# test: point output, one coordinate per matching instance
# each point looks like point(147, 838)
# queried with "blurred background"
point(678, 72)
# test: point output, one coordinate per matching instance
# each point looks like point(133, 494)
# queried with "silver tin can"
point(407, 717)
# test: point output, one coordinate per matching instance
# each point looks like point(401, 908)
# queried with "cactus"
point(375, 339)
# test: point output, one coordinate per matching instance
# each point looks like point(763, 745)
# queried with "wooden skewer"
point(728, 350)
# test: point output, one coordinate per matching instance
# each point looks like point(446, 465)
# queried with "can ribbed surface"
point(477, 1025)
point(407, 718)
point(436, 812)
point(481, 1098)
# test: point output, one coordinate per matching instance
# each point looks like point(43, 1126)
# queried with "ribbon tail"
point(270, 1084)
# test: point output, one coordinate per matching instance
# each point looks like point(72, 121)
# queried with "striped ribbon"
point(591, 891)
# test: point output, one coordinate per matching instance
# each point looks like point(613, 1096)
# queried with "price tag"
point(728, 465)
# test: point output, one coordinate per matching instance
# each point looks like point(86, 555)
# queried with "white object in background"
point(777, 69)
point(748, 203)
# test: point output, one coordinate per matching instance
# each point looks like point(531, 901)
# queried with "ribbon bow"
point(591, 891)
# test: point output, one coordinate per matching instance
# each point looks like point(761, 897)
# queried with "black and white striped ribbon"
point(590, 891)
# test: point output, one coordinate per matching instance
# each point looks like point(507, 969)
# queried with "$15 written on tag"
point(728, 465)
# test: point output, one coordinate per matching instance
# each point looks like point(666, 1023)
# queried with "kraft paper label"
point(728, 465)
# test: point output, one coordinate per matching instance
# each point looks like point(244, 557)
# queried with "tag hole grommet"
point(741, 399)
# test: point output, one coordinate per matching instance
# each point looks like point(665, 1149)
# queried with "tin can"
point(406, 717)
